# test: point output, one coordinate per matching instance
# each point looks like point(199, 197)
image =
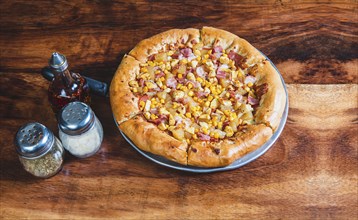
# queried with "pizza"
point(197, 97)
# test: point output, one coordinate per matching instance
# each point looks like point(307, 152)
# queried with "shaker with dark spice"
point(40, 152)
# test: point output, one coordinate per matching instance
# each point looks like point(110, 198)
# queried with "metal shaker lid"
point(33, 140)
point(58, 62)
point(75, 118)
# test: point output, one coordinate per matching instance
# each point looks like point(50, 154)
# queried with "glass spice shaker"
point(40, 152)
point(66, 86)
point(80, 130)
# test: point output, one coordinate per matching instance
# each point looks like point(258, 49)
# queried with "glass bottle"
point(40, 152)
point(80, 130)
point(66, 86)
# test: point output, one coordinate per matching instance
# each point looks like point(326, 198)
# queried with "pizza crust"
point(272, 103)
point(228, 41)
point(148, 137)
point(158, 42)
point(211, 154)
point(123, 102)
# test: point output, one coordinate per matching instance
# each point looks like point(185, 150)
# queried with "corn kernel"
point(207, 103)
point(145, 89)
point(171, 120)
point(162, 101)
point(205, 130)
point(188, 114)
point(147, 115)
point(250, 84)
point(184, 61)
point(141, 105)
point(190, 93)
point(162, 126)
point(143, 64)
point(180, 75)
point(188, 141)
point(224, 60)
point(223, 118)
point(229, 131)
point(197, 53)
point(216, 135)
point(227, 95)
point(190, 86)
point(195, 136)
point(184, 88)
point(220, 125)
point(200, 80)
point(196, 130)
point(170, 53)
point(134, 90)
point(143, 70)
point(195, 98)
point(153, 116)
point(198, 58)
point(210, 52)
point(247, 89)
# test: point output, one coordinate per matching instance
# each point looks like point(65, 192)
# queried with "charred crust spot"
point(194, 150)
point(217, 151)
point(132, 99)
point(122, 81)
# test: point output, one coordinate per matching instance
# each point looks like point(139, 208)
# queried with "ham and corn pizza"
point(198, 97)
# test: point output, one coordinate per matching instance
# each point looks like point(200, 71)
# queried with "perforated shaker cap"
point(75, 118)
point(33, 140)
point(58, 62)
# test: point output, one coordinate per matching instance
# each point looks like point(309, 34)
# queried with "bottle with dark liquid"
point(66, 86)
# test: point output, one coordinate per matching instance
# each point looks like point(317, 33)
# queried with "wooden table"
point(309, 173)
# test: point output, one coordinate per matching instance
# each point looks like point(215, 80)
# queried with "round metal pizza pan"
point(238, 163)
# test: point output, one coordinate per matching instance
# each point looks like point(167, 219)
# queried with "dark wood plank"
point(311, 42)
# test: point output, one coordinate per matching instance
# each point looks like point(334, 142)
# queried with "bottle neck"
point(65, 77)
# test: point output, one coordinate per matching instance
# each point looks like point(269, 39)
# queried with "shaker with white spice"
point(80, 130)
point(40, 152)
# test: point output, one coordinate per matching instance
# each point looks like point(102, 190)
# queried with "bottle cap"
point(33, 140)
point(58, 62)
point(75, 118)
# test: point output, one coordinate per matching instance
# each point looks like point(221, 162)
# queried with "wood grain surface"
point(309, 173)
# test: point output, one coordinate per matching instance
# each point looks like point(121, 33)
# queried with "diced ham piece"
point(141, 82)
point(158, 75)
point(220, 74)
point(261, 90)
point(151, 57)
point(195, 84)
point(186, 52)
point(154, 111)
point(201, 94)
point(217, 52)
point(193, 41)
point(217, 49)
point(144, 98)
point(172, 82)
point(203, 137)
point(201, 72)
point(252, 101)
point(239, 60)
point(249, 78)
point(160, 119)
point(236, 95)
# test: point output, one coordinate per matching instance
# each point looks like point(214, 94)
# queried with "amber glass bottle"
point(66, 86)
